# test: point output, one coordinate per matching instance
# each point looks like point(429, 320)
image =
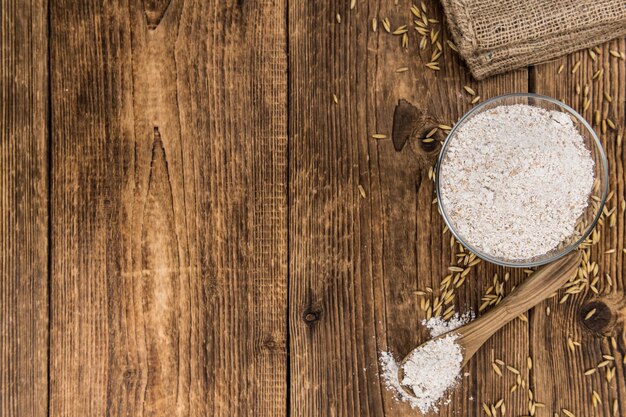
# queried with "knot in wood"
point(601, 321)
point(270, 344)
point(311, 317)
point(429, 141)
point(130, 375)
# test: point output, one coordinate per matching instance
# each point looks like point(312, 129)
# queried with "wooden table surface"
point(197, 221)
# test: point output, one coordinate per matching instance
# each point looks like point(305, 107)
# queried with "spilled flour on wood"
point(432, 369)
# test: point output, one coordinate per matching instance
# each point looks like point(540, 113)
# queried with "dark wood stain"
point(407, 120)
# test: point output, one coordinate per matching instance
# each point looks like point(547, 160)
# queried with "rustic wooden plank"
point(559, 375)
point(169, 206)
point(357, 256)
point(23, 208)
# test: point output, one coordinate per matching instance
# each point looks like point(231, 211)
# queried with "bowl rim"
point(570, 247)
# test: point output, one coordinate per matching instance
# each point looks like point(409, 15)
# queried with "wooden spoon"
point(531, 292)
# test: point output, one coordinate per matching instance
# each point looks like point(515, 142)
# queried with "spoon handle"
point(531, 292)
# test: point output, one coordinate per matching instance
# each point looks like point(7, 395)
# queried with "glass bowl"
point(586, 222)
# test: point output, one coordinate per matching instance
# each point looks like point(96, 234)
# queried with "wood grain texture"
point(227, 237)
point(23, 209)
point(558, 378)
point(169, 238)
point(357, 258)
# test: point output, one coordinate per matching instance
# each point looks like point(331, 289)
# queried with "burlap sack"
point(495, 36)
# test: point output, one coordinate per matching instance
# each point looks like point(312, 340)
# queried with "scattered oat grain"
point(469, 90)
point(590, 314)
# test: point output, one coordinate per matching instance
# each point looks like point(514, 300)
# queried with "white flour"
point(432, 369)
point(437, 325)
point(515, 181)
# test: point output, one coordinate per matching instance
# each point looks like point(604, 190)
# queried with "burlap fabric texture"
point(494, 36)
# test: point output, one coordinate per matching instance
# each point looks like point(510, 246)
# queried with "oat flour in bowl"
point(515, 180)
